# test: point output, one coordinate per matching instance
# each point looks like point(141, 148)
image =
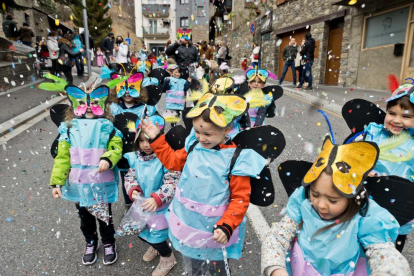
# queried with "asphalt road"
point(40, 235)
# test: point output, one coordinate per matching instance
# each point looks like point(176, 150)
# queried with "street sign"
point(128, 40)
point(252, 28)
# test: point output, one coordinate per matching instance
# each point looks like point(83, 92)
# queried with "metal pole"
point(86, 32)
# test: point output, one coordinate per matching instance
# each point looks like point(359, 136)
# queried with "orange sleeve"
point(239, 202)
point(171, 159)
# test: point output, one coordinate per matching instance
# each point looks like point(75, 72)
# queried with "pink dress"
point(100, 59)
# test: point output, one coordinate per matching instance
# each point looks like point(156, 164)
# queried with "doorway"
point(409, 60)
point(299, 35)
point(333, 61)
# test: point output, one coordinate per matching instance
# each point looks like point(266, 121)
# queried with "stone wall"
point(200, 33)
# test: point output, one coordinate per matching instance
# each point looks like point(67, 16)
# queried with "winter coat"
point(222, 52)
point(26, 34)
point(66, 54)
point(308, 50)
point(53, 47)
point(121, 55)
point(290, 52)
point(107, 45)
point(183, 55)
point(10, 28)
point(77, 44)
point(211, 51)
point(256, 51)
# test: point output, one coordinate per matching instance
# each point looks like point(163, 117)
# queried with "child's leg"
point(399, 244)
point(163, 248)
point(107, 231)
point(127, 200)
point(88, 225)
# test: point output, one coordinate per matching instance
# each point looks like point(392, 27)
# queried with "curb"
point(10, 125)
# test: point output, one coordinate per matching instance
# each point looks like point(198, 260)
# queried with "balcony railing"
point(156, 10)
point(158, 33)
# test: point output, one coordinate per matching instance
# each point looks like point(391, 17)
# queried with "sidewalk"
point(22, 104)
point(333, 95)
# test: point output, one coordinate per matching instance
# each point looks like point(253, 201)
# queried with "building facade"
point(199, 12)
point(356, 45)
point(155, 23)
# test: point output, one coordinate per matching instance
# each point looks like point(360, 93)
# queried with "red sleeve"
point(172, 160)
point(239, 202)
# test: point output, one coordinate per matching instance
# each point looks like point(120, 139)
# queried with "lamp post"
point(225, 19)
point(86, 30)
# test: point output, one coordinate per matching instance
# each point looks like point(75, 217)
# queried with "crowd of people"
point(192, 185)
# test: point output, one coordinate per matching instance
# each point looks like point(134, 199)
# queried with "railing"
point(156, 10)
point(158, 33)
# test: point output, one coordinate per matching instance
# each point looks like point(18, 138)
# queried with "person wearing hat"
point(66, 56)
point(10, 28)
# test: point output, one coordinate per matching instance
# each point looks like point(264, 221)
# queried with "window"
point(184, 22)
point(387, 28)
point(183, 2)
point(200, 11)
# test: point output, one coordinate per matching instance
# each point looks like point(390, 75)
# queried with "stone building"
point(356, 45)
point(199, 10)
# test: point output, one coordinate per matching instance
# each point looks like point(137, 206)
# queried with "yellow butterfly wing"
point(201, 105)
point(321, 162)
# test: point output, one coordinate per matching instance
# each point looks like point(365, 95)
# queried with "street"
point(41, 236)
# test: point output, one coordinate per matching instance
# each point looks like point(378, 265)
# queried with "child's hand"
point(135, 194)
point(219, 236)
point(372, 174)
point(103, 166)
point(168, 78)
point(189, 79)
point(150, 205)
point(279, 272)
point(149, 128)
point(56, 192)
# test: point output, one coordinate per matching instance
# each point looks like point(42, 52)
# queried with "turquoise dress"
point(175, 96)
point(88, 139)
point(338, 250)
point(202, 197)
point(149, 174)
point(379, 134)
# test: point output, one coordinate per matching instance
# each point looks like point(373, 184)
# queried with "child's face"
point(398, 118)
point(127, 98)
point(89, 114)
point(256, 83)
point(144, 144)
point(208, 134)
point(325, 199)
point(176, 73)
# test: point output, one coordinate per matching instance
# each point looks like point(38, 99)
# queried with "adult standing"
point(307, 54)
point(107, 47)
point(211, 51)
point(10, 28)
point(222, 53)
point(121, 54)
point(203, 49)
point(53, 47)
point(184, 54)
point(255, 57)
point(66, 56)
point(289, 55)
point(26, 34)
point(77, 45)
point(299, 63)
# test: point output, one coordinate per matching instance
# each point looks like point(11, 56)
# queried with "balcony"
point(156, 10)
point(157, 33)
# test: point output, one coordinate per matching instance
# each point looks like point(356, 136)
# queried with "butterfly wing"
point(234, 106)
point(201, 105)
point(78, 98)
point(99, 97)
point(321, 162)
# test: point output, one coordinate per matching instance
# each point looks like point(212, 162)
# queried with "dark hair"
point(136, 143)
point(25, 24)
point(404, 102)
point(352, 209)
point(68, 37)
point(110, 34)
point(216, 74)
point(308, 36)
point(206, 114)
point(9, 16)
point(53, 33)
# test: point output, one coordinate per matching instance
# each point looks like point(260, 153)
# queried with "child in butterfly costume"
point(335, 228)
point(256, 81)
point(148, 177)
point(393, 132)
point(85, 171)
point(213, 193)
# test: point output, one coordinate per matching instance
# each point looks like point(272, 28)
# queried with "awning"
point(352, 3)
point(65, 29)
